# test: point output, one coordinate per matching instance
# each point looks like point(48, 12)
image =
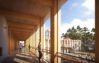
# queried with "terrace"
point(23, 20)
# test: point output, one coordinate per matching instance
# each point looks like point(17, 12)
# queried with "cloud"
point(90, 4)
point(88, 8)
point(74, 6)
point(89, 23)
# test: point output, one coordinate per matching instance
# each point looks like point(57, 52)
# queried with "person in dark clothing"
point(20, 47)
point(29, 47)
point(40, 53)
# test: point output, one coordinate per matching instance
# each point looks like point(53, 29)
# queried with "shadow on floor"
point(20, 58)
point(9, 60)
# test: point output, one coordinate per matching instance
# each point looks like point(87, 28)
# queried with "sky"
point(76, 12)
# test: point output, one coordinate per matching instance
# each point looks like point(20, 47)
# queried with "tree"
point(93, 34)
point(85, 29)
point(82, 34)
point(69, 30)
point(93, 30)
point(78, 28)
point(73, 29)
point(72, 33)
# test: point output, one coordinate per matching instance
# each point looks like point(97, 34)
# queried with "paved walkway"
point(21, 58)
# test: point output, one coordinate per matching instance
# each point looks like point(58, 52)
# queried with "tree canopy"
point(83, 34)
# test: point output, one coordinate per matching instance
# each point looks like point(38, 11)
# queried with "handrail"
point(43, 50)
point(46, 51)
point(64, 56)
point(79, 59)
point(68, 58)
point(37, 56)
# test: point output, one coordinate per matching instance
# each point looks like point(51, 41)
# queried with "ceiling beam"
point(21, 16)
point(44, 3)
point(20, 22)
point(21, 36)
point(20, 30)
point(17, 14)
point(28, 22)
point(19, 25)
point(47, 3)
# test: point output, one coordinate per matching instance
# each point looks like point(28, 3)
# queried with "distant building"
point(47, 44)
point(47, 39)
point(69, 45)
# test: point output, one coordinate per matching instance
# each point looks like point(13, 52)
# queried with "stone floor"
point(21, 58)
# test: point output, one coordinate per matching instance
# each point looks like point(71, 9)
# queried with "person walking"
point(29, 47)
point(20, 47)
point(40, 53)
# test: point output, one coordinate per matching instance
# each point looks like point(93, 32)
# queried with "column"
point(11, 43)
point(37, 38)
point(33, 40)
point(3, 38)
point(54, 32)
point(42, 35)
point(59, 34)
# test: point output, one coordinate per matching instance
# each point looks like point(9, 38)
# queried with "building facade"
point(69, 45)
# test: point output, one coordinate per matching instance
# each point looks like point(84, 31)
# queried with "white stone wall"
point(3, 38)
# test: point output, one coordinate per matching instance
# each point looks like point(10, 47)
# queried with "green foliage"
point(82, 34)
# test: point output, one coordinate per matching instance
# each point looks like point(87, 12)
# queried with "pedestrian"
point(29, 47)
point(40, 53)
point(20, 47)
